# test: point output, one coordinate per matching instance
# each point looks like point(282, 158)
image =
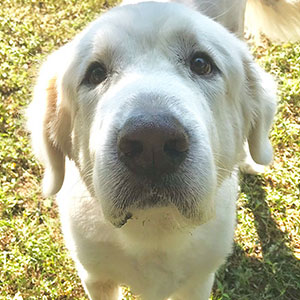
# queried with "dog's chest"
point(157, 274)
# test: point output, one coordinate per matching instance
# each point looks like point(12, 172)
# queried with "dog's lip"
point(123, 221)
point(155, 199)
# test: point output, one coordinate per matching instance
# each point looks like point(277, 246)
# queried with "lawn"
point(34, 264)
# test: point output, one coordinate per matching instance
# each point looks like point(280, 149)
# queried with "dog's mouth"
point(123, 221)
point(147, 197)
point(131, 194)
point(155, 222)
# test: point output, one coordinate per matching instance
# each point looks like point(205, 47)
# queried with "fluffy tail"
point(279, 20)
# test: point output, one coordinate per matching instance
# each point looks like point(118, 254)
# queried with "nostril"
point(130, 148)
point(177, 147)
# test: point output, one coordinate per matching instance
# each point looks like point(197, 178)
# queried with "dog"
point(140, 122)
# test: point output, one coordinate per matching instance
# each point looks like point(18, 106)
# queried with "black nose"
point(152, 145)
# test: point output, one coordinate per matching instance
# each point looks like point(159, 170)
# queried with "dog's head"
point(153, 102)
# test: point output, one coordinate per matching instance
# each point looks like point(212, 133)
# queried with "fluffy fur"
point(279, 20)
point(180, 230)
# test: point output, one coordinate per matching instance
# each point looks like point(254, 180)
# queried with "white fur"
point(160, 252)
point(278, 20)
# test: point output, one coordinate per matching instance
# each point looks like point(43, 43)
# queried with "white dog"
point(140, 122)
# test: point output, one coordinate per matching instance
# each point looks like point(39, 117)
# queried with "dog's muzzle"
point(155, 160)
point(152, 145)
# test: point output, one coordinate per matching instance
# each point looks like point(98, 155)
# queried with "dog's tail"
point(279, 20)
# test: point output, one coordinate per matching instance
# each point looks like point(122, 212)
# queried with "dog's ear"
point(261, 98)
point(49, 121)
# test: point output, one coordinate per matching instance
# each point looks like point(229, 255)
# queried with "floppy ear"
point(49, 121)
point(261, 89)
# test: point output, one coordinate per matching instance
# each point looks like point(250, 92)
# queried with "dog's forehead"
point(151, 23)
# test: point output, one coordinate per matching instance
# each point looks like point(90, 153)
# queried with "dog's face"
point(153, 102)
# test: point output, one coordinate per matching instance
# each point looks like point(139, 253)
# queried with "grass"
point(34, 263)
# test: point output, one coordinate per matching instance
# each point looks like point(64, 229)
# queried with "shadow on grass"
point(277, 275)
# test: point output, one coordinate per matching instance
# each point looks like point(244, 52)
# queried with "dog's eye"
point(95, 74)
point(201, 64)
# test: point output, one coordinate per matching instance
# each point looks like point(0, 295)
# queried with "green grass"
point(34, 263)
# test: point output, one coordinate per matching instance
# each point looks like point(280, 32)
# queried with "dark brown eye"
point(95, 74)
point(201, 64)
